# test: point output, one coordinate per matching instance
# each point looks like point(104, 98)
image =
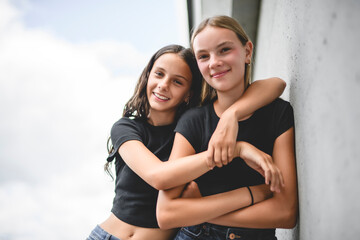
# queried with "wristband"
point(252, 197)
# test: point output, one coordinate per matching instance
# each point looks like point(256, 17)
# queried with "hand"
point(222, 143)
point(262, 163)
point(191, 191)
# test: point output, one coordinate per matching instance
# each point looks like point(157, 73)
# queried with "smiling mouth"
point(219, 74)
point(161, 97)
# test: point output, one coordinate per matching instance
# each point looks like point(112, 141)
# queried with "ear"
point(187, 97)
point(249, 50)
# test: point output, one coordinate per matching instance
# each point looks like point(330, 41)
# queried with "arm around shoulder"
point(257, 95)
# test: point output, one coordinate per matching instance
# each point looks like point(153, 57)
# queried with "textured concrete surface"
point(314, 46)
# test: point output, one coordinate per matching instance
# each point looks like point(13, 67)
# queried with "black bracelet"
point(252, 197)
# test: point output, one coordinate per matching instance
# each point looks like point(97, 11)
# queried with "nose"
point(215, 61)
point(164, 84)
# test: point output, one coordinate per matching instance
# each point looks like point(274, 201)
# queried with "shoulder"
point(195, 113)
point(282, 106)
point(123, 130)
point(280, 103)
point(192, 125)
point(282, 116)
point(128, 123)
point(277, 107)
point(194, 119)
point(126, 127)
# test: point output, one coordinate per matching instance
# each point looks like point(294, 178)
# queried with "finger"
point(192, 185)
point(270, 173)
point(217, 157)
point(267, 173)
point(230, 153)
point(282, 179)
point(275, 184)
point(278, 186)
point(273, 180)
point(224, 156)
point(210, 163)
point(210, 158)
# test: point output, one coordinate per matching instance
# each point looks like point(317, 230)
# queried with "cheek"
point(240, 57)
point(151, 83)
point(148, 94)
point(202, 67)
point(149, 88)
point(237, 61)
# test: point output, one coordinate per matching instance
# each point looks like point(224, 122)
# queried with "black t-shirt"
point(135, 200)
point(261, 129)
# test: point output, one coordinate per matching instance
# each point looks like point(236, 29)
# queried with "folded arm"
point(174, 211)
point(281, 210)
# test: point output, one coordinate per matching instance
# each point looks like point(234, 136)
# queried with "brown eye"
point(178, 82)
point(159, 74)
point(226, 49)
point(202, 56)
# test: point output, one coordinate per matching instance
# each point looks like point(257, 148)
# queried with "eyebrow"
point(218, 46)
point(177, 75)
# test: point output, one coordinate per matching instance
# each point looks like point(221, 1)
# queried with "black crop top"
point(135, 200)
point(261, 129)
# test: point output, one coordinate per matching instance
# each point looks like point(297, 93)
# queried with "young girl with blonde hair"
point(223, 53)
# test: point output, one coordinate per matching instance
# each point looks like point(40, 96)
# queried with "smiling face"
point(168, 86)
point(221, 58)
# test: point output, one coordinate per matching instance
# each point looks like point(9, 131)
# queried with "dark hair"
point(138, 104)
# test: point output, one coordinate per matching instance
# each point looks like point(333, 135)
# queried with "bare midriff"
point(125, 231)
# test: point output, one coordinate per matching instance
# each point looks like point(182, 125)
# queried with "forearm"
point(259, 94)
point(162, 175)
point(270, 213)
point(176, 212)
point(180, 171)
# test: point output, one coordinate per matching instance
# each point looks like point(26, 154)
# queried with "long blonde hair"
point(208, 93)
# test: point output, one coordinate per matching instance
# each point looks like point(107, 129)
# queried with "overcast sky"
point(66, 70)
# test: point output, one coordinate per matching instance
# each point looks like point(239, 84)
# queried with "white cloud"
point(65, 206)
point(117, 55)
point(58, 101)
point(8, 16)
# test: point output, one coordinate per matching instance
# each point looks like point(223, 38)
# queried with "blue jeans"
point(207, 231)
point(100, 234)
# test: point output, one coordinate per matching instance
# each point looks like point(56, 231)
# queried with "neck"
point(226, 99)
point(161, 119)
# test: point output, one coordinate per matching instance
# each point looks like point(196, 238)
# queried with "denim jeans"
point(100, 234)
point(207, 231)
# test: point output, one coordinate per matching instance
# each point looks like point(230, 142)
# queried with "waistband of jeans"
point(102, 234)
point(270, 231)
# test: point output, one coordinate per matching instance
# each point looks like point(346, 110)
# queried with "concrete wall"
point(246, 12)
point(314, 46)
point(202, 9)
